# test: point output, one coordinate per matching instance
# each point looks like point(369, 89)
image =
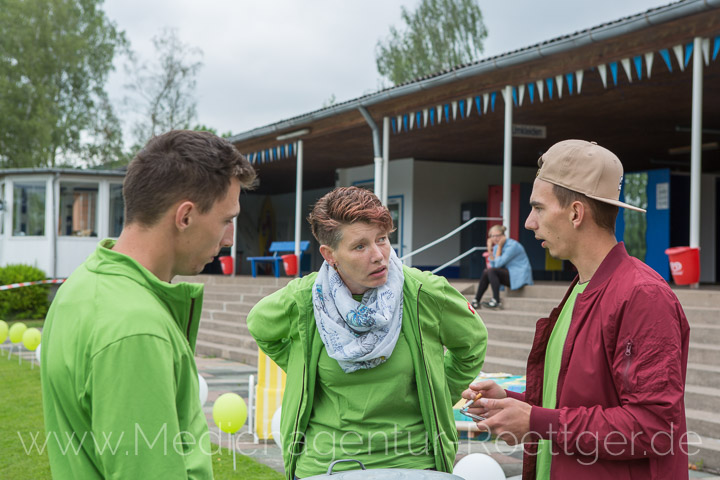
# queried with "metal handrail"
point(445, 237)
point(459, 257)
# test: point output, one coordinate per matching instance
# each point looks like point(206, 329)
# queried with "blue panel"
point(658, 225)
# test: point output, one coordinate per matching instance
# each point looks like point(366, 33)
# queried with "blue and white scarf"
point(359, 335)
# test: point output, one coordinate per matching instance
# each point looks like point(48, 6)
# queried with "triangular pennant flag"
point(393, 121)
point(493, 96)
point(439, 114)
point(446, 107)
point(602, 69)
point(478, 105)
point(531, 92)
point(579, 76)
point(405, 122)
point(706, 50)
point(678, 50)
point(521, 93)
point(649, 57)
point(540, 89)
point(514, 96)
point(665, 54)
point(418, 118)
point(559, 81)
point(469, 106)
point(461, 106)
point(412, 121)
point(613, 71)
point(688, 53)
point(432, 117)
point(569, 77)
point(293, 148)
point(454, 109)
point(637, 60)
point(262, 157)
point(486, 103)
point(549, 83)
point(716, 47)
point(287, 152)
point(425, 117)
point(626, 66)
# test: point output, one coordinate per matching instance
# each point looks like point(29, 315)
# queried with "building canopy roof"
point(626, 84)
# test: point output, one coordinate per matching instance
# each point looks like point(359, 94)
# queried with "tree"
point(438, 35)
point(164, 92)
point(55, 57)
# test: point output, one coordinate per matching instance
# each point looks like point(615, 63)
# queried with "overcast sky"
point(268, 60)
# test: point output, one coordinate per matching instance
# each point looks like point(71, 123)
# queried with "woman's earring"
point(335, 266)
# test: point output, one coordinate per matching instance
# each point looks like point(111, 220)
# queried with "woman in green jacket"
point(376, 353)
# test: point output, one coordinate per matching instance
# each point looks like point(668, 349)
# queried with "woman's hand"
point(490, 245)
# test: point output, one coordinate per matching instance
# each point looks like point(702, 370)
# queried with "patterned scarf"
point(359, 335)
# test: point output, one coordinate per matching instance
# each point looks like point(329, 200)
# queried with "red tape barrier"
point(27, 284)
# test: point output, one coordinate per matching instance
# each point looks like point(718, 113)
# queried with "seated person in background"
point(509, 266)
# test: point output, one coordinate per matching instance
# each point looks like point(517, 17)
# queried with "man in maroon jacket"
point(606, 373)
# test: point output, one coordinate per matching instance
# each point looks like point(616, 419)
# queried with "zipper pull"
point(628, 348)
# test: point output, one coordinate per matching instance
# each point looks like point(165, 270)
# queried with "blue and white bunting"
point(602, 70)
point(678, 50)
point(579, 76)
point(665, 55)
point(486, 96)
point(688, 53)
point(549, 83)
point(469, 106)
point(637, 61)
point(614, 72)
point(649, 57)
point(540, 89)
point(716, 47)
point(521, 94)
point(626, 66)
point(559, 81)
point(570, 80)
point(425, 117)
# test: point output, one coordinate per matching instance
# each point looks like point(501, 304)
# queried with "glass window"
point(29, 209)
point(117, 210)
point(78, 209)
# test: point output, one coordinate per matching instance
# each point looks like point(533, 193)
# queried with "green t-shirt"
point(553, 358)
point(370, 415)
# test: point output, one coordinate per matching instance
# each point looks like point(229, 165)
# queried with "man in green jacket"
point(119, 380)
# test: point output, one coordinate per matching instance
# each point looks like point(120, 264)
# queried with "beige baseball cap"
point(584, 167)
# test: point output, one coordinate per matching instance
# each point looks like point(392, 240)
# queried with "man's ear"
point(328, 254)
point(577, 213)
point(184, 214)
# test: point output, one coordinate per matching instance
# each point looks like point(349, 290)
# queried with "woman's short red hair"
point(345, 206)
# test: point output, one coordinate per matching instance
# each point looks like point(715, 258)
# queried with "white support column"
point(378, 176)
point(298, 200)
point(233, 249)
point(696, 143)
point(386, 159)
point(507, 159)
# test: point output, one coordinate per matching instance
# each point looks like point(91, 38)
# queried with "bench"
point(276, 260)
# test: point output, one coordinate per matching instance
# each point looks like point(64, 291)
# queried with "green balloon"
point(16, 332)
point(31, 338)
point(3, 331)
point(230, 412)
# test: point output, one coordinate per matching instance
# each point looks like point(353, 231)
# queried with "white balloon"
point(37, 354)
point(275, 427)
point(203, 390)
point(478, 466)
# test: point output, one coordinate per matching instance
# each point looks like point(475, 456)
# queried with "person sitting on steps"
point(509, 266)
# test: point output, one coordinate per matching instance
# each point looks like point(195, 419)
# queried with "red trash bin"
point(684, 264)
point(290, 264)
point(227, 265)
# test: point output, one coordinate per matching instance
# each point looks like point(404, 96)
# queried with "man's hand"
point(507, 418)
point(488, 389)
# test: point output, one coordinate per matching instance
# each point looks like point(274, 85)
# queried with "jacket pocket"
point(628, 364)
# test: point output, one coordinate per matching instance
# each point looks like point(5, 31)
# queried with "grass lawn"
point(21, 411)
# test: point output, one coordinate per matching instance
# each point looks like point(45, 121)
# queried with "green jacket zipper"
point(427, 376)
